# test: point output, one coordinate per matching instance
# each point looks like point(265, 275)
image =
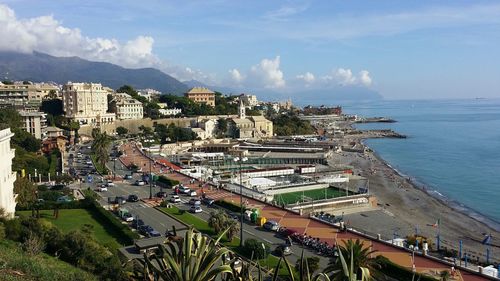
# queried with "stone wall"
point(133, 125)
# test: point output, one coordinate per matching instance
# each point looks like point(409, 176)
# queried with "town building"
point(204, 128)
point(251, 127)
point(201, 95)
point(127, 107)
point(34, 123)
point(249, 100)
point(87, 103)
point(53, 132)
point(149, 94)
point(18, 92)
point(7, 177)
point(165, 111)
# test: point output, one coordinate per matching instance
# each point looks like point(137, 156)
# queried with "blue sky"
point(401, 49)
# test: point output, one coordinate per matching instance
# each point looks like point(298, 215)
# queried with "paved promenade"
point(301, 224)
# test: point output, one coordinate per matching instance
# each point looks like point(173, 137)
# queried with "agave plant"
point(359, 262)
point(192, 258)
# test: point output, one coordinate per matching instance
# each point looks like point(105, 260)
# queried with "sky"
point(400, 49)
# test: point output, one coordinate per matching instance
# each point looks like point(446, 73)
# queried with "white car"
point(175, 199)
point(110, 184)
point(128, 217)
point(184, 189)
point(103, 188)
point(192, 193)
point(195, 209)
point(139, 183)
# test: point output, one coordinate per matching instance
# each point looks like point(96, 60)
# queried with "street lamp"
point(240, 160)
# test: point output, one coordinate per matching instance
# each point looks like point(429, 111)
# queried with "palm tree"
point(100, 147)
point(360, 261)
point(192, 258)
point(220, 221)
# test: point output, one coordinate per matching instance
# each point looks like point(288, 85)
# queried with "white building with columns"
point(7, 177)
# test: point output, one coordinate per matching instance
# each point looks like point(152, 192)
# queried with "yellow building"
point(201, 95)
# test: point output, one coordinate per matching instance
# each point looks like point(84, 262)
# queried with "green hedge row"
point(228, 205)
point(398, 272)
point(128, 235)
point(166, 182)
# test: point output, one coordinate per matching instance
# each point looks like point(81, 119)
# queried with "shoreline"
point(406, 206)
point(454, 204)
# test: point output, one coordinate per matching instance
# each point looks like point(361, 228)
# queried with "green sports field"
point(315, 194)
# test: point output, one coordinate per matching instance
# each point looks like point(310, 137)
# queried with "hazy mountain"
point(221, 89)
point(38, 67)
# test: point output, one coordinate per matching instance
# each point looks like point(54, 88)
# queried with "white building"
point(7, 177)
point(249, 100)
point(34, 123)
point(87, 103)
point(170, 111)
point(128, 107)
point(149, 94)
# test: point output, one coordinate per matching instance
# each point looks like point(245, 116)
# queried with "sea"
point(452, 149)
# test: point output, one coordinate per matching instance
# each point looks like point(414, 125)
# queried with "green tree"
point(221, 127)
point(100, 146)
point(312, 264)
point(27, 192)
point(220, 221)
point(121, 131)
point(53, 107)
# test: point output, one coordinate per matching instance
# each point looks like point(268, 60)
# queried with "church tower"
point(242, 110)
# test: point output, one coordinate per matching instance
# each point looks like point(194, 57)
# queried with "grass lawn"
point(270, 262)
point(315, 194)
point(74, 219)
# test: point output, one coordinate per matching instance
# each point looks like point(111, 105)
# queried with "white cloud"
point(344, 77)
point(46, 34)
point(307, 77)
point(268, 73)
point(364, 78)
point(236, 76)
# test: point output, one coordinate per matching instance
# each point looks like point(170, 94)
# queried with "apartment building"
point(7, 177)
point(128, 107)
point(87, 103)
point(34, 123)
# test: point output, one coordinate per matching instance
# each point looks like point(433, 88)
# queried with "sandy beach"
point(403, 208)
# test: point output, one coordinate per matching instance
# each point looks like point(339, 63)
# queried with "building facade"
point(249, 100)
point(128, 107)
point(201, 95)
point(34, 123)
point(7, 177)
point(87, 103)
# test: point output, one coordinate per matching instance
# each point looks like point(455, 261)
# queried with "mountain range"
point(39, 67)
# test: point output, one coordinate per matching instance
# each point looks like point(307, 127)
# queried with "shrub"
point(255, 246)
point(228, 205)
point(166, 182)
point(398, 272)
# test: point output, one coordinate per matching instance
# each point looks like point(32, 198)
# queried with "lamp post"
point(240, 160)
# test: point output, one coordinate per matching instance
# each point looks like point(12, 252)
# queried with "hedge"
point(398, 272)
point(166, 182)
point(128, 235)
point(228, 205)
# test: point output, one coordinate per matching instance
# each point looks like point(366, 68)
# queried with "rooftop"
point(200, 90)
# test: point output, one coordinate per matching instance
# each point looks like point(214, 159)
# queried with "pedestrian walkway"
point(300, 224)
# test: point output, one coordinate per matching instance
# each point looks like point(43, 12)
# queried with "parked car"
point(283, 250)
point(128, 217)
point(139, 183)
point(192, 193)
point(154, 233)
point(110, 184)
point(127, 177)
point(64, 199)
point(271, 226)
point(184, 189)
point(119, 200)
point(132, 198)
point(194, 202)
point(175, 199)
point(145, 229)
point(137, 223)
point(161, 194)
point(208, 201)
point(195, 209)
point(102, 188)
